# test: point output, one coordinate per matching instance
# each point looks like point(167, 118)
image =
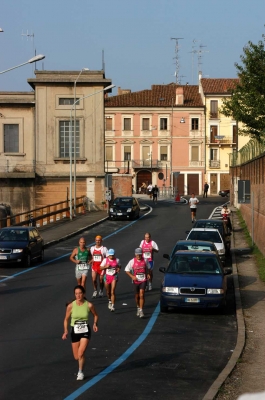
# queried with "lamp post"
point(151, 165)
point(70, 141)
point(83, 69)
point(32, 60)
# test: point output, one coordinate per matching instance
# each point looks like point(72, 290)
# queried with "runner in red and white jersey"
point(149, 247)
point(111, 267)
point(98, 253)
point(138, 269)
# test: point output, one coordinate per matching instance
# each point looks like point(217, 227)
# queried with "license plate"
point(119, 213)
point(192, 300)
point(3, 257)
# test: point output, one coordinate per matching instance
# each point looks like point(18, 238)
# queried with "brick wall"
point(254, 171)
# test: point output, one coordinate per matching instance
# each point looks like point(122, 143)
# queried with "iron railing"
point(252, 149)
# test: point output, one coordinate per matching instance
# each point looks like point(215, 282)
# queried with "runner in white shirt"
point(149, 247)
point(193, 201)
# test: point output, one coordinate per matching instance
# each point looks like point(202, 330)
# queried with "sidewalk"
point(245, 371)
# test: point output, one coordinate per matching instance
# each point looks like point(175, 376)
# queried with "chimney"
point(179, 96)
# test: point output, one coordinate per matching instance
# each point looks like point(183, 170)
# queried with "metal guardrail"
point(47, 214)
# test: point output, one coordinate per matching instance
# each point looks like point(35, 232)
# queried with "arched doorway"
point(143, 176)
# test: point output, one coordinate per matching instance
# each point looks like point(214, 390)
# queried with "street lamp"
point(83, 69)
point(1, 30)
point(70, 141)
point(32, 60)
point(151, 164)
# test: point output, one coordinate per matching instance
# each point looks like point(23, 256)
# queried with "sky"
point(134, 35)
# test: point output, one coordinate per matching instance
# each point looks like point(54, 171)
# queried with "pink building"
point(157, 136)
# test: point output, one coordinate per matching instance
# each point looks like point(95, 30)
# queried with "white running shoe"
point(141, 314)
point(109, 305)
point(100, 294)
point(94, 295)
point(80, 376)
point(150, 286)
point(138, 312)
point(112, 308)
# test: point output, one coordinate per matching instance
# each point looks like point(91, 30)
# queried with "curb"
point(61, 239)
point(241, 336)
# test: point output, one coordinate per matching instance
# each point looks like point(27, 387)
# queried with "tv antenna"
point(200, 52)
point(177, 58)
point(31, 37)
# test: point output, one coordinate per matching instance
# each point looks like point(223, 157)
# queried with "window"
point(194, 153)
point(163, 153)
point(108, 124)
point(194, 124)
point(11, 138)
point(146, 124)
point(64, 138)
point(214, 133)
point(127, 152)
point(109, 153)
point(163, 124)
point(68, 101)
point(213, 154)
point(214, 109)
point(127, 124)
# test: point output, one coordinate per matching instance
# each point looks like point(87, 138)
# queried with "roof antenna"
point(30, 35)
point(103, 62)
point(177, 58)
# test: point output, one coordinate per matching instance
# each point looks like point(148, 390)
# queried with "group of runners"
point(105, 268)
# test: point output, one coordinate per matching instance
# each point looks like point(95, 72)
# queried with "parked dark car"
point(194, 279)
point(224, 193)
point(191, 245)
point(216, 224)
point(20, 245)
point(124, 207)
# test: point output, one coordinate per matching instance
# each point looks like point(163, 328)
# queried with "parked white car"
point(209, 235)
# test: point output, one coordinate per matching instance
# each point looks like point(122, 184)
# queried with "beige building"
point(221, 137)
point(35, 139)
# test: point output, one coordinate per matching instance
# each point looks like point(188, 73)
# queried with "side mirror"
point(166, 256)
point(162, 269)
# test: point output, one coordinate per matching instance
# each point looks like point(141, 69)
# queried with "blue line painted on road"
point(120, 360)
point(68, 254)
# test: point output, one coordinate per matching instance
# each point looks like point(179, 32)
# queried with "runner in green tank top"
point(81, 257)
point(79, 310)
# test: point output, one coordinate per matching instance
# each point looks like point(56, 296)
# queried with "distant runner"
point(155, 192)
point(111, 267)
point(149, 247)
point(81, 257)
point(138, 270)
point(193, 201)
point(98, 253)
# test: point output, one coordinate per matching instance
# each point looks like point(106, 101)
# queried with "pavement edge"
point(241, 336)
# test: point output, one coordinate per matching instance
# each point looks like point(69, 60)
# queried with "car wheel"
point(163, 309)
point(41, 257)
point(27, 261)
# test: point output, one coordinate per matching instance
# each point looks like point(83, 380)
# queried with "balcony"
point(154, 164)
point(214, 164)
point(196, 163)
point(221, 140)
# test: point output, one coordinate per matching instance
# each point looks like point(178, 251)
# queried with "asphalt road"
point(175, 355)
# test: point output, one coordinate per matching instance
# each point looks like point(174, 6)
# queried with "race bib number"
point(97, 258)
point(147, 254)
point(83, 266)
point(80, 327)
point(140, 277)
point(111, 271)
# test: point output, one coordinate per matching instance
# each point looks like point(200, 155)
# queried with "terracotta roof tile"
point(218, 86)
point(157, 96)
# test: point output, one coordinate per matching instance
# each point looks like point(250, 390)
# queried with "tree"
point(247, 101)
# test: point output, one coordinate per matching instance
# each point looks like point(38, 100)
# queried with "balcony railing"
point(125, 166)
point(225, 140)
point(214, 163)
point(147, 164)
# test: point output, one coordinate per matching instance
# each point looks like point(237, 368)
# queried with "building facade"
point(38, 129)
point(157, 136)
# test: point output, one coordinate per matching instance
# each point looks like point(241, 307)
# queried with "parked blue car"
point(194, 279)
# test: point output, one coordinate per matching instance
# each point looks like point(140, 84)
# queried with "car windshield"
point(14, 235)
point(195, 247)
point(209, 236)
point(122, 202)
point(190, 264)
